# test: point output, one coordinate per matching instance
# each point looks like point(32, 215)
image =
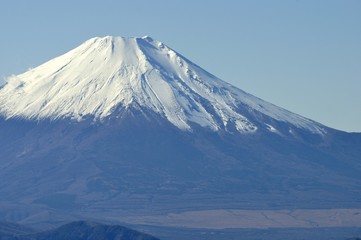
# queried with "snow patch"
point(271, 128)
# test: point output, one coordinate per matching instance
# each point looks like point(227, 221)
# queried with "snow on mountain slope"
point(104, 73)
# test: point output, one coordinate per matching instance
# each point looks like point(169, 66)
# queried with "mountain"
point(80, 230)
point(106, 74)
point(124, 127)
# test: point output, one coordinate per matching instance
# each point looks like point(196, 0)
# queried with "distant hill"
point(80, 230)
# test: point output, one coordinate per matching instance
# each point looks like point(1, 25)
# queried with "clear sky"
point(303, 55)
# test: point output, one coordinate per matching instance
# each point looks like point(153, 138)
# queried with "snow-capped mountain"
point(127, 126)
point(102, 74)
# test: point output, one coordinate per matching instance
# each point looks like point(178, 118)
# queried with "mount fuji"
point(128, 126)
point(104, 74)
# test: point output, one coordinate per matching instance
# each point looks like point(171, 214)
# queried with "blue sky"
point(303, 55)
